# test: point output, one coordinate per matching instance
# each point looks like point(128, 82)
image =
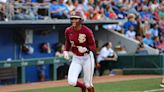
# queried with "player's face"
point(75, 22)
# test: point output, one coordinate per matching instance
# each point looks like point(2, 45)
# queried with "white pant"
point(78, 63)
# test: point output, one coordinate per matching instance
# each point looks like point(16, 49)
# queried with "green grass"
point(121, 86)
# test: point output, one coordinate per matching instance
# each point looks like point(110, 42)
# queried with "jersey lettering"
point(82, 38)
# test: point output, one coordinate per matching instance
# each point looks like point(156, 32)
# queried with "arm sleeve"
point(67, 42)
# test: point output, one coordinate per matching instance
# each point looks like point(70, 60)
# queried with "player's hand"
point(66, 56)
point(82, 49)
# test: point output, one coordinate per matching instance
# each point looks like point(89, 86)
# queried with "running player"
point(80, 40)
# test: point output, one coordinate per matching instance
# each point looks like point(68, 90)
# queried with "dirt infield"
point(58, 83)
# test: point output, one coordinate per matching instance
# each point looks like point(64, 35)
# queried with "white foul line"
point(154, 90)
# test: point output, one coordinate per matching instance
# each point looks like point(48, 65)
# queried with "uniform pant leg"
point(88, 69)
point(74, 70)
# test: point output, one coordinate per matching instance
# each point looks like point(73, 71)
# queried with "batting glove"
point(66, 56)
point(82, 49)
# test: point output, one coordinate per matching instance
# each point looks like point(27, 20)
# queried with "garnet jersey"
point(83, 37)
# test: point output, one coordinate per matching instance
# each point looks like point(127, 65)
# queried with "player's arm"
point(92, 46)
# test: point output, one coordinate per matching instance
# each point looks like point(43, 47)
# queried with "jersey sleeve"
point(67, 42)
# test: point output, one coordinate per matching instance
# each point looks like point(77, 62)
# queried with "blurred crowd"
point(145, 18)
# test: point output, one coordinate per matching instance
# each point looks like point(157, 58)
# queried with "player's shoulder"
point(68, 29)
point(87, 29)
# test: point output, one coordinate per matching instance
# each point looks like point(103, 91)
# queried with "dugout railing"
point(21, 64)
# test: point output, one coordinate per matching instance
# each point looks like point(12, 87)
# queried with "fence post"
point(21, 74)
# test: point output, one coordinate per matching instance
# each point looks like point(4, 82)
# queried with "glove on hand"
point(82, 49)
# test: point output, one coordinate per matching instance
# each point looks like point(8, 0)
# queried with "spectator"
point(107, 58)
point(120, 12)
point(161, 11)
point(145, 14)
point(156, 41)
point(160, 46)
point(115, 27)
point(79, 7)
point(119, 29)
point(161, 24)
point(85, 5)
point(55, 10)
point(154, 5)
point(131, 22)
point(132, 7)
point(110, 13)
point(64, 8)
point(156, 15)
point(148, 40)
point(40, 8)
point(69, 5)
point(60, 49)
point(62, 70)
point(141, 49)
point(3, 1)
point(139, 28)
point(98, 14)
point(154, 30)
point(144, 27)
point(22, 14)
point(2, 14)
point(131, 33)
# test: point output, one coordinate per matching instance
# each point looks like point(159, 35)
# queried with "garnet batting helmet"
point(76, 14)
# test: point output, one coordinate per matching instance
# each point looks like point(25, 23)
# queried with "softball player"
point(80, 40)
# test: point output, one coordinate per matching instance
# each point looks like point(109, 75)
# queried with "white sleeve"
point(103, 53)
